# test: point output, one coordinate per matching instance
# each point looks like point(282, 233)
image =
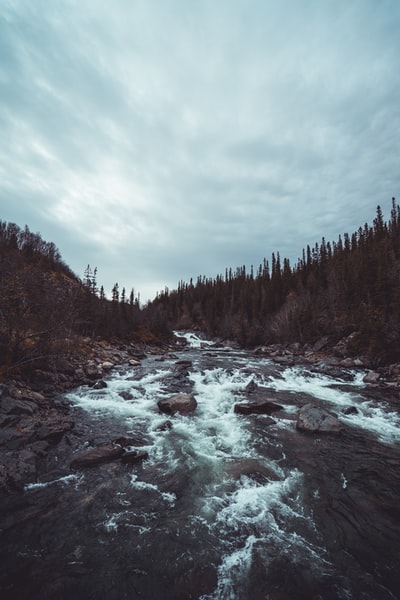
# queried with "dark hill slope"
point(45, 308)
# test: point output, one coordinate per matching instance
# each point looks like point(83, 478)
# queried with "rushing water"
point(226, 507)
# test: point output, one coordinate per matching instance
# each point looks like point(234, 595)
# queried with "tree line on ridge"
point(336, 288)
point(348, 286)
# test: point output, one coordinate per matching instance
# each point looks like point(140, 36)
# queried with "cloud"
point(160, 141)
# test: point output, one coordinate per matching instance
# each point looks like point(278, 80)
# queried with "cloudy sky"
point(161, 140)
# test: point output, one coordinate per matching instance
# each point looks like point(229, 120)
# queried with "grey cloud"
point(166, 140)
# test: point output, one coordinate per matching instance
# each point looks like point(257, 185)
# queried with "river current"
point(227, 506)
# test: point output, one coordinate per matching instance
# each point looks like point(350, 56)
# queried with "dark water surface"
point(226, 506)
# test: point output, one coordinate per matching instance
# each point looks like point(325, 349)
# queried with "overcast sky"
point(164, 139)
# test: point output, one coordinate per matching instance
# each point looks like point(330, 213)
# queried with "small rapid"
point(226, 506)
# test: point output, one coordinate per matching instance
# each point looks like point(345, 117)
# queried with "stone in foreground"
point(313, 419)
point(96, 456)
point(181, 403)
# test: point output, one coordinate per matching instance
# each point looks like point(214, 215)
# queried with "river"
point(227, 506)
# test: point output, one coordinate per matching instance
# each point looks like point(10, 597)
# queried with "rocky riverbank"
point(333, 360)
point(33, 418)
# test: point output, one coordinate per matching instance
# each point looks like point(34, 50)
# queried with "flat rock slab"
point(314, 419)
point(262, 407)
point(97, 456)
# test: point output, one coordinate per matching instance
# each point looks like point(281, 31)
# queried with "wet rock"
point(181, 368)
point(107, 365)
point(31, 396)
point(134, 457)
point(314, 419)
point(262, 351)
point(371, 377)
point(251, 387)
point(134, 362)
point(97, 456)
point(262, 407)
point(126, 395)
point(93, 370)
point(100, 385)
point(165, 426)
point(183, 364)
point(181, 403)
point(17, 407)
point(54, 428)
point(350, 410)
point(347, 363)
point(333, 370)
point(284, 360)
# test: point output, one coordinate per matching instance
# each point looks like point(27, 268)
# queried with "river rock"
point(371, 377)
point(11, 406)
point(93, 371)
point(97, 456)
point(261, 407)
point(314, 419)
point(134, 457)
point(107, 365)
point(54, 427)
point(350, 410)
point(181, 403)
point(100, 385)
point(251, 387)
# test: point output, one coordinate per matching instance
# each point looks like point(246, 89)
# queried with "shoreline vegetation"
point(338, 309)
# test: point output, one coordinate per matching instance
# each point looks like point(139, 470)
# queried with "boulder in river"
point(97, 456)
point(133, 457)
point(181, 403)
point(261, 407)
point(350, 410)
point(317, 420)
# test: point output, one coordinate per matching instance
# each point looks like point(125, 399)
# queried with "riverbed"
point(226, 506)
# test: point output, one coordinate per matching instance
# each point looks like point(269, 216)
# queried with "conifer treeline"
point(45, 307)
point(351, 285)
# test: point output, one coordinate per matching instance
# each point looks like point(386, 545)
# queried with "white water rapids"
point(217, 491)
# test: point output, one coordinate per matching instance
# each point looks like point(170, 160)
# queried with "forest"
point(351, 285)
point(348, 286)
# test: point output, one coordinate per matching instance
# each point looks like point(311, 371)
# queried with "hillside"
point(351, 286)
point(45, 309)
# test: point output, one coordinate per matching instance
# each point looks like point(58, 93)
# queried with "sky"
point(162, 140)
